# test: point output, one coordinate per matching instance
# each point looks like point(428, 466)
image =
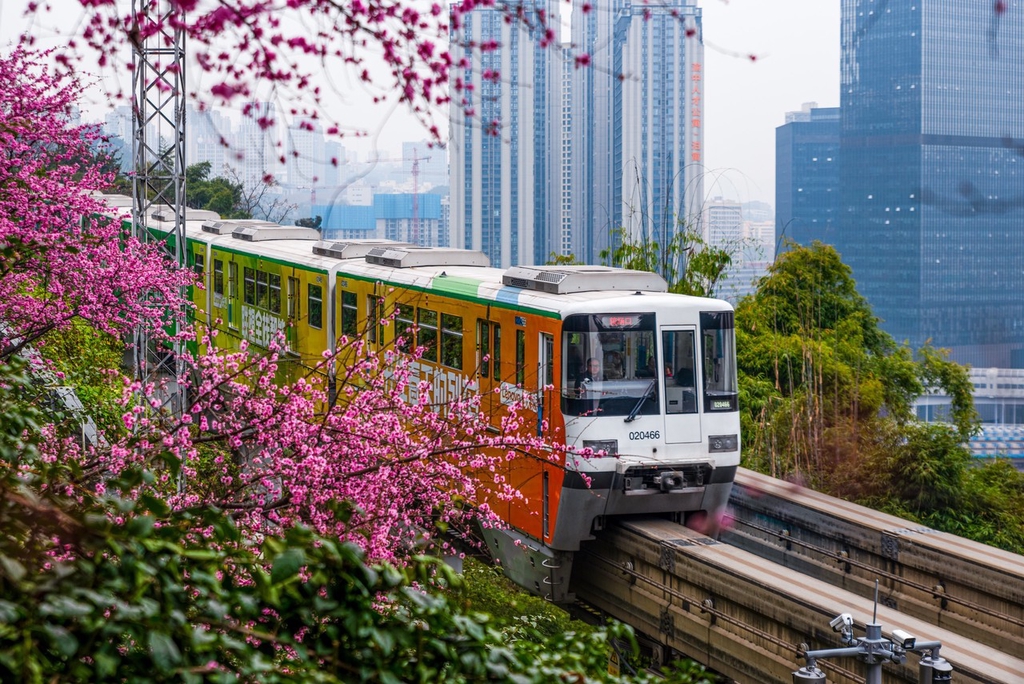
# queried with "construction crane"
point(416, 196)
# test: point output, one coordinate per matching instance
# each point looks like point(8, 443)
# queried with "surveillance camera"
point(903, 640)
point(841, 622)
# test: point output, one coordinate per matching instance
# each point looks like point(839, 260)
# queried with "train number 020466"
point(651, 434)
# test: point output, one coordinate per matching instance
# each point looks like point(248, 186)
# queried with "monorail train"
point(605, 355)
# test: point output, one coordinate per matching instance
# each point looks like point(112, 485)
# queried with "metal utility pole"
point(158, 157)
point(874, 650)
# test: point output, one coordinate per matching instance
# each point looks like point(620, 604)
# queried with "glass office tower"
point(807, 176)
point(932, 173)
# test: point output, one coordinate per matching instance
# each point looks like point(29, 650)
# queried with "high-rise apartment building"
point(208, 138)
point(504, 135)
point(305, 157)
point(254, 158)
point(932, 176)
point(723, 223)
point(807, 175)
point(637, 121)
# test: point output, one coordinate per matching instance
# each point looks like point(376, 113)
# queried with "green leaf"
point(12, 568)
point(141, 526)
point(164, 651)
point(63, 640)
point(286, 565)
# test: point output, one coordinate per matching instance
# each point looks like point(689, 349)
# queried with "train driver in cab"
point(591, 373)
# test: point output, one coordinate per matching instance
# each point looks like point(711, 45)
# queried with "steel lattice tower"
point(158, 156)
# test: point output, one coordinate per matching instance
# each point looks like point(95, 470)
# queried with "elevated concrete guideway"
point(750, 605)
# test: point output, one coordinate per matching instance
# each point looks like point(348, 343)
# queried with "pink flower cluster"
point(59, 258)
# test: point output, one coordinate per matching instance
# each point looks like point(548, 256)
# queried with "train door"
point(234, 287)
point(679, 374)
point(545, 379)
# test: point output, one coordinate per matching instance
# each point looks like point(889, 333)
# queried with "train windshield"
point(718, 352)
point(609, 364)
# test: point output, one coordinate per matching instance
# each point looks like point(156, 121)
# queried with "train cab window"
point(218, 277)
point(483, 347)
point(679, 371)
point(718, 353)
point(607, 365)
point(250, 286)
point(232, 280)
point(427, 322)
point(403, 327)
point(451, 341)
point(316, 306)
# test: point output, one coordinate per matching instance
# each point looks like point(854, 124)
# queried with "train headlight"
point(721, 443)
point(610, 446)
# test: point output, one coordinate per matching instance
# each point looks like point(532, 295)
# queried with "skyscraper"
point(932, 175)
point(208, 138)
point(305, 155)
point(723, 223)
point(503, 134)
point(255, 159)
point(637, 121)
point(807, 175)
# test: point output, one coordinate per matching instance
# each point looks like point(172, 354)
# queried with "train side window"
point(274, 281)
point(403, 327)
point(261, 289)
point(520, 357)
point(451, 341)
point(250, 286)
point(199, 263)
point(427, 321)
point(293, 298)
point(497, 351)
point(547, 343)
point(232, 280)
point(218, 277)
point(374, 315)
point(483, 347)
point(349, 314)
point(316, 306)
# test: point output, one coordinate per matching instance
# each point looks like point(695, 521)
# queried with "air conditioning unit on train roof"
point(411, 256)
point(115, 201)
point(262, 231)
point(351, 249)
point(165, 214)
point(569, 279)
point(226, 227)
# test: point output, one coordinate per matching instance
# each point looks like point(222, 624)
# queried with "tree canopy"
point(827, 399)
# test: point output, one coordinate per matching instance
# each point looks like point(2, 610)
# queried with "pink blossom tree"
point(273, 456)
point(284, 45)
point(60, 259)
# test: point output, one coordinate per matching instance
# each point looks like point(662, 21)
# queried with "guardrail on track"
point(969, 588)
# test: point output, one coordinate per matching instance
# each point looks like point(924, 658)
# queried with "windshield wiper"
point(648, 393)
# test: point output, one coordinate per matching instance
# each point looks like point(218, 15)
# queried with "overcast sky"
point(796, 44)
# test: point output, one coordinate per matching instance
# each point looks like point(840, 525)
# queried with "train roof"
point(466, 274)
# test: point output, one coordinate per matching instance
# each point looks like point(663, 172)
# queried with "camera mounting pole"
point(874, 650)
